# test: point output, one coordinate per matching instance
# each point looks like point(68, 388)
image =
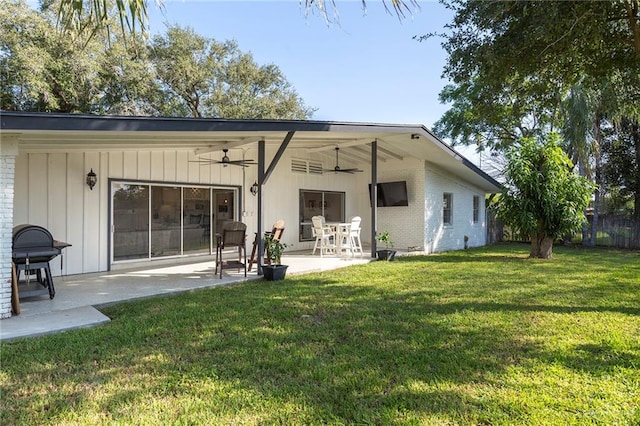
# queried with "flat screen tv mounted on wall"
point(391, 194)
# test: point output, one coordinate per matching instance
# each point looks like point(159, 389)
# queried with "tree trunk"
point(541, 247)
point(599, 181)
point(585, 227)
point(635, 129)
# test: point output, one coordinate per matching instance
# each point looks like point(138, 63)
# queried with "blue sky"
point(367, 68)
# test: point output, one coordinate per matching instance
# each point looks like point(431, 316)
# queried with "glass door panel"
point(165, 221)
point(310, 205)
point(130, 221)
point(223, 208)
point(197, 220)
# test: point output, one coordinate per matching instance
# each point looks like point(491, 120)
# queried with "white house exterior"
point(155, 201)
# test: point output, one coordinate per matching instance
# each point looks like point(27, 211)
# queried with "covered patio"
point(127, 191)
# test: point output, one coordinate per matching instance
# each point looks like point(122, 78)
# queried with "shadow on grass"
point(347, 351)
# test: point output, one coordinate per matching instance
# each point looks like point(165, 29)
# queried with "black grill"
point(33, 249)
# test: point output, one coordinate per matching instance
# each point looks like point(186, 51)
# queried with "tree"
point(543, 198)
point(44, 70)
point(177, 74)
point(520, 69)
point(511, 63)
point(621, 150)
point(129, 83)
point(205, 78)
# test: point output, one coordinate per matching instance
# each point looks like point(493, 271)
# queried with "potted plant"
point(276, 270)
point(386, 254)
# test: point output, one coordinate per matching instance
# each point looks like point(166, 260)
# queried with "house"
point(161, 190)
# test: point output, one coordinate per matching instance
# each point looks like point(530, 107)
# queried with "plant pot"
point(274, 272)
point(387, 254)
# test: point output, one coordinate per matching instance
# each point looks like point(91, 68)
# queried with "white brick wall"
point(439, 237)
point(7, 173)
point(404, 223)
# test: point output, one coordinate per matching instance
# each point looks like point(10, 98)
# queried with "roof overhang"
point(51, 132)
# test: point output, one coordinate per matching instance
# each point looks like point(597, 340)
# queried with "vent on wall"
point(306, 166)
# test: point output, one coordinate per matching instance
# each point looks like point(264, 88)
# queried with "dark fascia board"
point(80, 122)
point(13, 120)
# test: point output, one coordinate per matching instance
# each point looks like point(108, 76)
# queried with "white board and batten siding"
point(50, 191)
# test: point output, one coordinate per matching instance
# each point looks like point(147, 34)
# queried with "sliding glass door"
point(156, 220)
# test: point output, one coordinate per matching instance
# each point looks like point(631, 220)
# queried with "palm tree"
point(133, 14)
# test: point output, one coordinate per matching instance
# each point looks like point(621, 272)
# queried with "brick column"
point(8, 154)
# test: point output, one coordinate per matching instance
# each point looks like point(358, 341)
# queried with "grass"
point(482, 336)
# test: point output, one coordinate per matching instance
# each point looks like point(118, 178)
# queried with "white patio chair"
point(325, 236)
point(355, 245)
point(343, 245)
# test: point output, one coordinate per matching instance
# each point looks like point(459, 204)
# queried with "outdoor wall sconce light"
point(415, 136)
point(92, 179)
point(254, 189)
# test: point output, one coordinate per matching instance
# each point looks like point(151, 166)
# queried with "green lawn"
point(482, 336)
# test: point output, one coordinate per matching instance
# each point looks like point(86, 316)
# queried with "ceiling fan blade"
point(339, 170)
point(204, 161)
point(238, 163)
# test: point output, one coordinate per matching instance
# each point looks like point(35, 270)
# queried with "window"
point(476, 209)
point(447, 208)
point(324, 203)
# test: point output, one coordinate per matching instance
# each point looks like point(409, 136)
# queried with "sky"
point(365, 66)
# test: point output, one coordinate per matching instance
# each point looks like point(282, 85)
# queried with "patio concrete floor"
point(79, 297)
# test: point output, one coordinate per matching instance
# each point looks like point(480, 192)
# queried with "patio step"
point(50, 322)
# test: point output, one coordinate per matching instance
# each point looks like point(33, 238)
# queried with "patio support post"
point(260, 227)
point(8, 154)
point(374, 196)
point(263, 176)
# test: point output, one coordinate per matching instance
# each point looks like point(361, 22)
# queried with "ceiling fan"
point(337, 168)
point(225, 161)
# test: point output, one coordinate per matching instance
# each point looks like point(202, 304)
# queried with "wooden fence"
point(617, 231)
point(611, 231)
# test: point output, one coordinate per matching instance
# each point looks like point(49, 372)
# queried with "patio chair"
point(276, 231)
point(355, 245)
point(325, 236)
point(233, 236)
